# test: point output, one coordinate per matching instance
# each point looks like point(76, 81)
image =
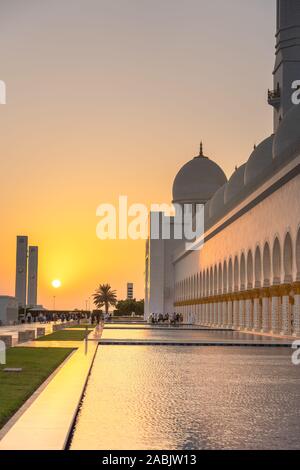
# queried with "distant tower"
point(129, 290)
point(32, 276)
point(21, 270)
point(287, 65)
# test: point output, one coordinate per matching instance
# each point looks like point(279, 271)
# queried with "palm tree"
point(104, 295)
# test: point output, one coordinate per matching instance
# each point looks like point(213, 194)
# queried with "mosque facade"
point(247, 273)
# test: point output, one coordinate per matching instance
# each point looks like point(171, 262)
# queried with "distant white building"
point(129, 290)
point(247, 274)
point(21, 270)
point(8, 310)
point(32, 276)
point(26, 273)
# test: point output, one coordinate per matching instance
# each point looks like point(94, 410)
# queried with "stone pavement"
point(13, 330)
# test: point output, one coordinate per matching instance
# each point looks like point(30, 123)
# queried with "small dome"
point(287, 139)
point(217, 202)
point(198, 180)
point(260, 159)
point(235, 185)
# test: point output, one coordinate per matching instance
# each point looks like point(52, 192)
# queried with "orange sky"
point(108, 98)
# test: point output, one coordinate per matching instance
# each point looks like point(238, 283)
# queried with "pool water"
point(169, 397)
point(159, 334)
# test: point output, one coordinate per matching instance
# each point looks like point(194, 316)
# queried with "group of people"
point(96, 317)
point(171, 319)
point(46, 317)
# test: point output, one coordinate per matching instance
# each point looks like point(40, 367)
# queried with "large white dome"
point(198, 180)
point(287, 139)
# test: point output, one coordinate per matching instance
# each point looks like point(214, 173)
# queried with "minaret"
point(287, 65)
point(32, 276)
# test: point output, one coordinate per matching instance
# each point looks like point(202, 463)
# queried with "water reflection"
point(183, 335)
point(157, 397)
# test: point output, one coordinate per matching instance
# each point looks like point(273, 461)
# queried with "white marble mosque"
point(247, 274)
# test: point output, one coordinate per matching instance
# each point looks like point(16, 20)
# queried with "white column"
point(229, 313)
point(257, 313)
point(275, 313)
point(220, 316)
point(215, 313)
point(286, 310)
point(265, 313)
point(236, 314)
point(225, 313)
point(249, 320)
point(207, 313)
point(242, 314)
point(297, 313)
point(286, 315)
point(211, 312)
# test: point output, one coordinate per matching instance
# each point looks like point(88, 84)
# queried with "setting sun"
point(56, 283)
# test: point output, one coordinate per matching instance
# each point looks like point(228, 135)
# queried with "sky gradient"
point(110, 97)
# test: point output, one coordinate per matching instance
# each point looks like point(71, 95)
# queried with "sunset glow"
point(99, 117)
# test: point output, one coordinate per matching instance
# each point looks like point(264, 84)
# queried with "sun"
point(56, 283)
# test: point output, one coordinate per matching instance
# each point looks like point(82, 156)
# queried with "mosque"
point(247, 274)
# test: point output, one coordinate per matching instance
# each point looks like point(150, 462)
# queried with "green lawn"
point(17, 387)
point(65, 335)
point(90, 327)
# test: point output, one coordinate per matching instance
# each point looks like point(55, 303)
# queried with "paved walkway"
point(47, 422)
point(14, 330)
point(50, 344)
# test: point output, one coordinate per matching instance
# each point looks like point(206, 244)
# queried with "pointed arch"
point(225, 279)
point(276, 261)
point(257, 267)
point(236, 273)
point(249, 270)
point(267, 264)
point(215, 279)
point(298, 254)
point(242, 272)
point(288, 258)
point(207, 283)
point(230, 276)
point(211, 281)
point(220, 281)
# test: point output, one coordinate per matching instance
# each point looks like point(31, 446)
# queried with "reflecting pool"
point(179, 334)
point(162, 397)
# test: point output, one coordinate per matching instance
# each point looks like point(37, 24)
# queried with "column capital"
point(296, 288)
point(265, 292)
point(285, 289)
point(275, 291)
point(248, 294)
point(255, 293)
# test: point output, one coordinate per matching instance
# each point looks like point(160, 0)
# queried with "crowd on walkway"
point(48, 317)
point(171, 319)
